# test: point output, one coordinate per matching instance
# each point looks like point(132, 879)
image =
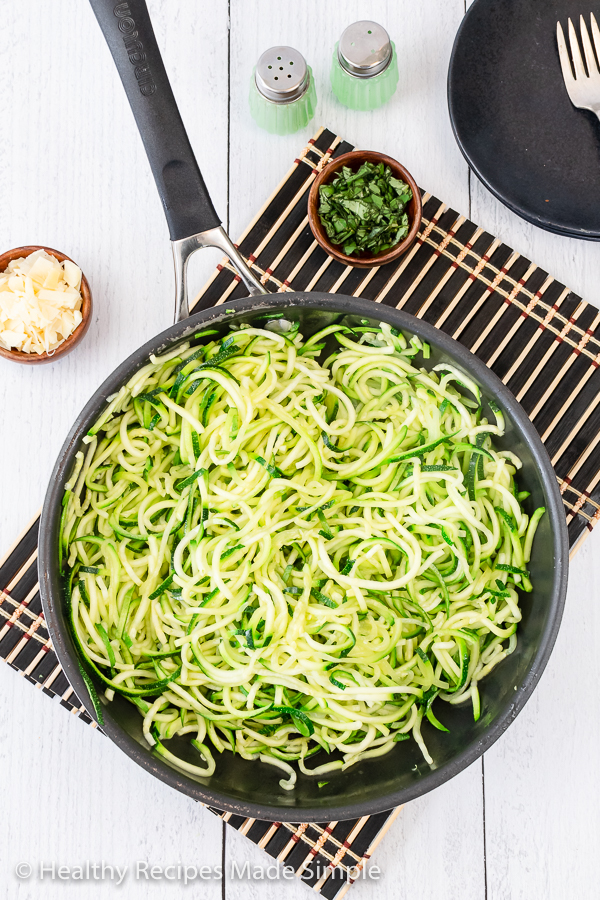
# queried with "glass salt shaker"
point(364, 72)
point(282, 91)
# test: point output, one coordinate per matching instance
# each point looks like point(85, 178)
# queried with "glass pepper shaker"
point(282, 91)
point(364, 72)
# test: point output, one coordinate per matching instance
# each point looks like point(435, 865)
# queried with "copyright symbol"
point(23, 870)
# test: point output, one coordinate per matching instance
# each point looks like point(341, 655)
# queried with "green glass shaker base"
point(283, 118)
point(364, 93)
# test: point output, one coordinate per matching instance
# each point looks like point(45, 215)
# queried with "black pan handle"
point(130, 37)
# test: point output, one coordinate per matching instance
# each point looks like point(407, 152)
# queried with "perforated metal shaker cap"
point(365, 49)
point(282, 75)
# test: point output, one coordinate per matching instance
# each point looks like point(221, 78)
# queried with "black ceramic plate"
point(513, 119)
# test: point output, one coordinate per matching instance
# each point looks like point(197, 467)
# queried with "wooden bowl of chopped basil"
point(364, 209)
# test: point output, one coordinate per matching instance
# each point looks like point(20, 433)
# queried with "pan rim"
point(485, 377)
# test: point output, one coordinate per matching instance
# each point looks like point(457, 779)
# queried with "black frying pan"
point(252, 788)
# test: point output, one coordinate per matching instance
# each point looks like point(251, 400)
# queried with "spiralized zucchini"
point(279, 555)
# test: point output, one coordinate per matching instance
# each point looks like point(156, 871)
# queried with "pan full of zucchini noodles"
point(303, 555)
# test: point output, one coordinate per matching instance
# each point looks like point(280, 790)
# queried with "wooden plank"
point(542, 778)
point(75, 177)
point(542, 825)
point(405, 855)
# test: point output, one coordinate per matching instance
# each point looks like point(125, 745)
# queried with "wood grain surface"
point(524, 823)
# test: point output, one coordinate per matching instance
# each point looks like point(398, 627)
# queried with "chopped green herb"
point(364, 211)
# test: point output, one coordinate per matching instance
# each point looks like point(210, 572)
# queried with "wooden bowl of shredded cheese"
point(45, 305)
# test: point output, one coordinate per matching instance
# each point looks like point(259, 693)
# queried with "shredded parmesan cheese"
point(40, 303)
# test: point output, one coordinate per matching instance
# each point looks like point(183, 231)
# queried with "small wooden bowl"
point(74, 338)
point(354, 160)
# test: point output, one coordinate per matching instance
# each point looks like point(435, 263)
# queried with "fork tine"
point(596, 35)
point(592, 65)
point(576, 53)
point(565, 62)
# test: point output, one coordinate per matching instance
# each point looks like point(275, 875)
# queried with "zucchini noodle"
point(278, 554)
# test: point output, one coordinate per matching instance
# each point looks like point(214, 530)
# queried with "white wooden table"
point(524, 822)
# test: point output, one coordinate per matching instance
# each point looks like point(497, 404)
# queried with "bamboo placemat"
point(536, 334)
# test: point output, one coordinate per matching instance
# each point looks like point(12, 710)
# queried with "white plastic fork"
point(583, 87)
